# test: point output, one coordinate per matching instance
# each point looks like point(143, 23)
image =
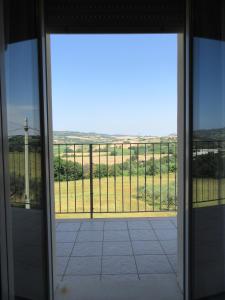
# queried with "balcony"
point(95, 257)
point(107, 199)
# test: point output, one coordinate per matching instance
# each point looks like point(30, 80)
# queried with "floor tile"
point(147, 247)
point(64, 249)
point(92, 225)
point(115, 225)
point(84, 266)
point(61, 263)
point(166, 234)
point(116, 235)
point(142, 235)
point(155, 264)
point(139, 225)
point(159, 277)
point(87, 249)
point(66, 237)
point(120, 278)
point(118, 265)
point(117, 248)
point(163, 224)
point(90, 236)
point(68, 227)
point(169, 247)
point(80, 278)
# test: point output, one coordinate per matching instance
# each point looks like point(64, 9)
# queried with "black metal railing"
point(115, 178)
point(208, 170)
point(118, 178)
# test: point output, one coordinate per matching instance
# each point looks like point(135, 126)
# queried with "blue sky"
point(116, 84)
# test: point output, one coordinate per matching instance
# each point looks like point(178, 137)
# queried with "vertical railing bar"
point(35, 172)
point(99, 177)
point(219, 173)
point(122, 182)
point(59, 178)
point(145, 178)
point(14, 171)
point(168, 178)
point(175, 175)
point(160, 173)
point(91, 181)
point(130, 177)
point(115, 177)
point(67, 184)
point(208, 181)
point(137, 177)
point(213, 196)
point(153, 177)
point(196, 177)
point(202, 175)
point(82, 164)
point(107, 166)
point(75, 181)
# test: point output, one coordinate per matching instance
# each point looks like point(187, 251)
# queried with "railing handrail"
point(115, 143)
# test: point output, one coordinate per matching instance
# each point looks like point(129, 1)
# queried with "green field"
point(206, 192)
point(123, 195)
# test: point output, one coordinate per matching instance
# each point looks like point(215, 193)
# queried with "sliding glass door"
point(26, 147)
point(206, 116)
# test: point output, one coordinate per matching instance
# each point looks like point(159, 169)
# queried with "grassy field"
point(123, 196)
point(206, 192)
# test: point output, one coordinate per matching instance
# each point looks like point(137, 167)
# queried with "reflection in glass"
point(209, 123)
point(208, 156)
point(25, 153)
point(23, 124)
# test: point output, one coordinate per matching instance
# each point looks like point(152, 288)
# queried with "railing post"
point(91, 180)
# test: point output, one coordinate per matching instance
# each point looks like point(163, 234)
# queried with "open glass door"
point(27, 150)
point(207, 140)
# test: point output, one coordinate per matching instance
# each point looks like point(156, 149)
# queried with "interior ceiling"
point(90, 16)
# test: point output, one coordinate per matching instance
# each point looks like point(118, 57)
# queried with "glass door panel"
point(208, 150)
point(23, 66)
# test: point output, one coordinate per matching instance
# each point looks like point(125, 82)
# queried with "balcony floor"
point(136, 254)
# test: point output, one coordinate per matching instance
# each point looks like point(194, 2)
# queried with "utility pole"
point(26, 160)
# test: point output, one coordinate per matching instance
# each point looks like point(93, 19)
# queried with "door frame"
point(188, 121)
point(46, 136)
point(183, 158)
point(6, 249)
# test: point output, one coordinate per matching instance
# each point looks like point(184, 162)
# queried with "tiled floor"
point(116, 247)
point(125, 250)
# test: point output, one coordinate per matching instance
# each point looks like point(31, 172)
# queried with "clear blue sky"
point(116, 84)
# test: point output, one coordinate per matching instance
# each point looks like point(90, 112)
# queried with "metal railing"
point(115, 178)
point(208, 170)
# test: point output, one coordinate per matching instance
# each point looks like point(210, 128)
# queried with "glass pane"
point(208, 160)
point(25, 152)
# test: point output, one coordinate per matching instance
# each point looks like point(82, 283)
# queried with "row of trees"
point(68, 170)
point(139, 149)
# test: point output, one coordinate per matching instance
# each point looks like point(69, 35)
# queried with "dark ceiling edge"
point(114, 16)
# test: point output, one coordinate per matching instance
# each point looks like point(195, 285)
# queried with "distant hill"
point(217, 134)
point(75, 137)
